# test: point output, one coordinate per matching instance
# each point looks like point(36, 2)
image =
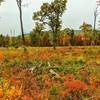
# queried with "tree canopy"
point(50, 14)
point(1, 1)
point(86, 27)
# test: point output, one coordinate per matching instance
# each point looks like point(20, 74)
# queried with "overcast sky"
point(77, 12)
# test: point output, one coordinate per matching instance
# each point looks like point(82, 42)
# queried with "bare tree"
point(19, 4)
point(96, 13)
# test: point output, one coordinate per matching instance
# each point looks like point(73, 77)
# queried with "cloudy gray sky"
point(77, 12)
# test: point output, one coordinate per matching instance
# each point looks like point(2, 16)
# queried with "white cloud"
point(77, 12)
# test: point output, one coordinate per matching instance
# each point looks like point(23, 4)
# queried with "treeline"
point(65, 37)
point(7, 41)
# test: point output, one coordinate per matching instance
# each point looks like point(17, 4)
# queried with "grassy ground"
point(67, 73)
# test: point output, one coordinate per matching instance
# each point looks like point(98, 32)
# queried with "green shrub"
point(54, 90)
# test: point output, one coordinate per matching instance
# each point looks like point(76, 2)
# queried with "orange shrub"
point(1, 94)
point(26, 98)
point(1, 55)
point(69, 77)
point(76, 85)
point(63, 94)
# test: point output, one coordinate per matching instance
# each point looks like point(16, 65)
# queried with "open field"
point(67, 73)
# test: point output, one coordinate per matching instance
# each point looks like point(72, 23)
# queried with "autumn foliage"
point(47, 74)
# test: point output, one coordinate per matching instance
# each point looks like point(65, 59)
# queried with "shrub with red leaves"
point(75, 85)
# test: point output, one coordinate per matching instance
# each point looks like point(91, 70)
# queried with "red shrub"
point(75, 85)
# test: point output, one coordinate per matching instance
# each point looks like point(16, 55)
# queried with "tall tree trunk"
point(54, 37)
point(56, 31)
point(21, 23)
point(94, 29)
point(54, 40)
